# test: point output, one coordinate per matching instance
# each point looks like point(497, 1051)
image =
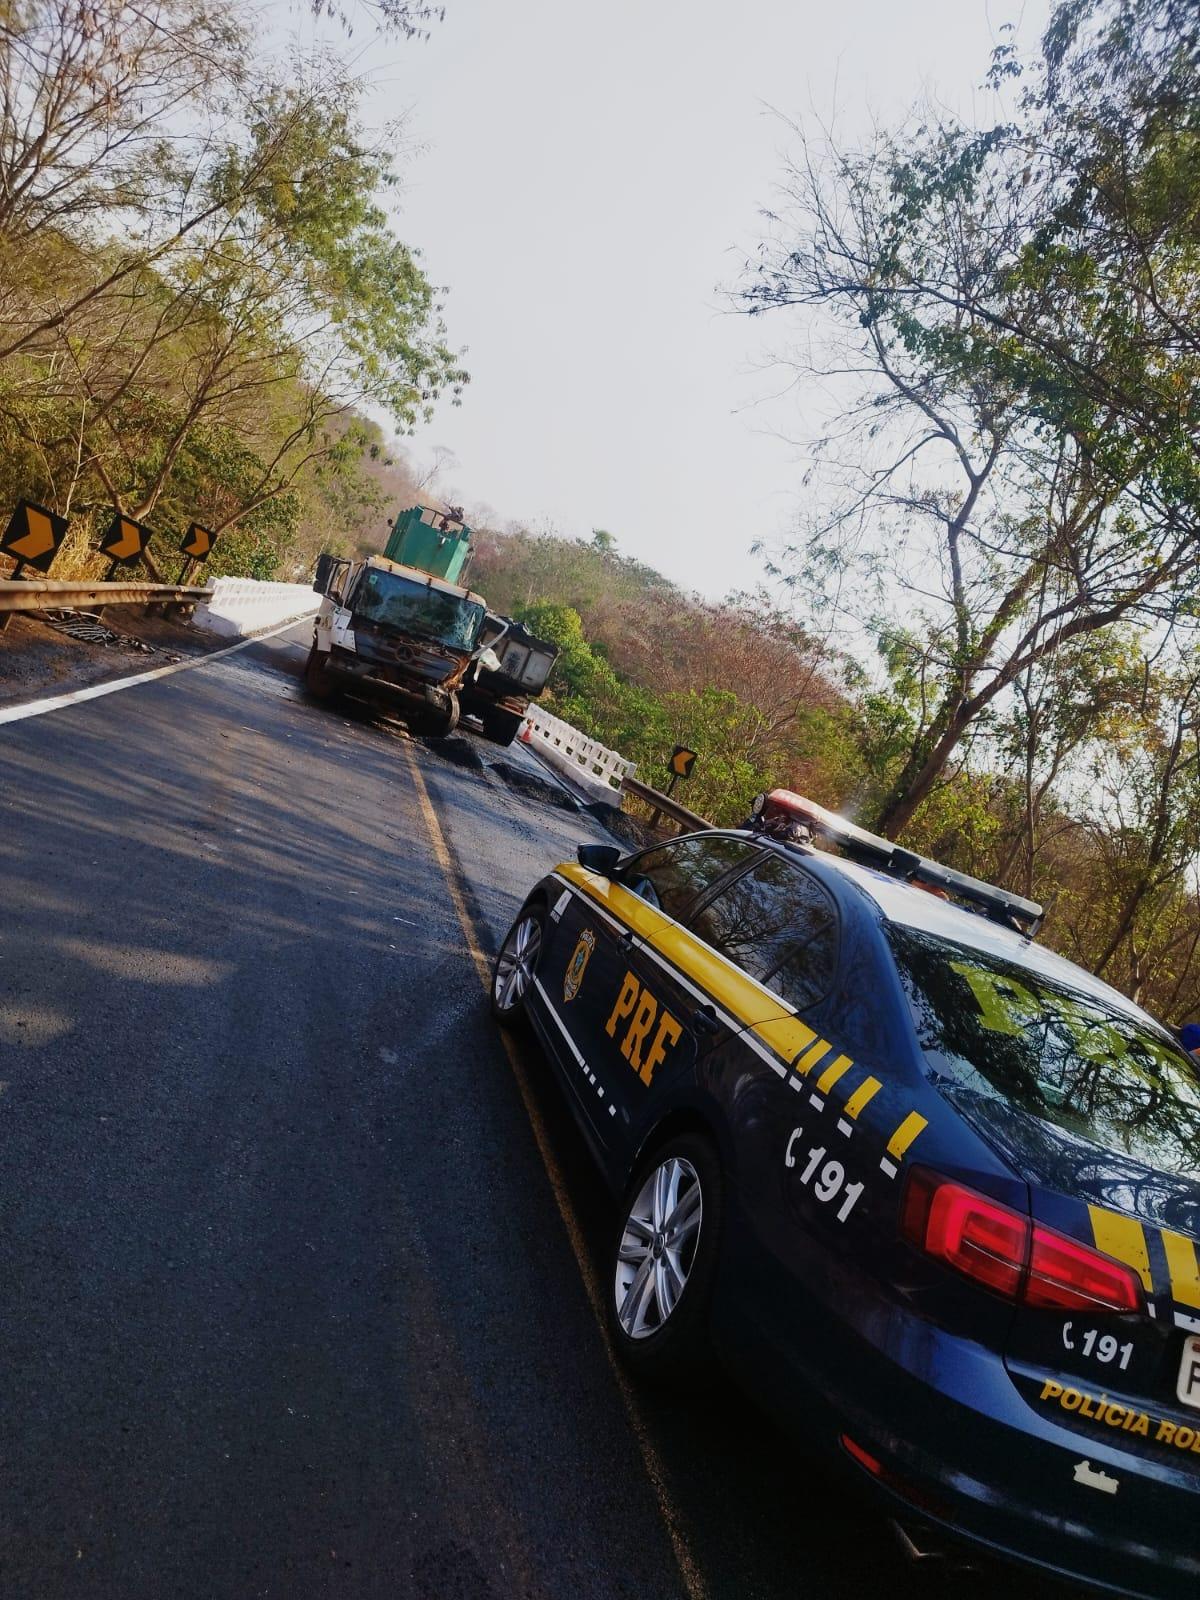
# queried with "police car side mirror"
point(601, 858)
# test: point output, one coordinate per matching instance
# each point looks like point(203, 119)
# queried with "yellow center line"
point(655, 1470)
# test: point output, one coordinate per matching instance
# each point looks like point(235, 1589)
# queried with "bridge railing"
point(565, 747)
point(244, 605)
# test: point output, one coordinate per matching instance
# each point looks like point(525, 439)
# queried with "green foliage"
point(643, 668)
point(200, 284)
point(1018, 471)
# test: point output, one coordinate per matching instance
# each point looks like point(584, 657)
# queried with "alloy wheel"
point(658, 1247)
point(517, 963)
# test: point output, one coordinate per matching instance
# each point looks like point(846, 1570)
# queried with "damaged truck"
point(397, 637)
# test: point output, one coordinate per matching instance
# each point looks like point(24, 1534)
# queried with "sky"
point(585, 179)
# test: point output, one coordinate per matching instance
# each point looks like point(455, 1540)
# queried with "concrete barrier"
point(585, 761)
point(241, 606)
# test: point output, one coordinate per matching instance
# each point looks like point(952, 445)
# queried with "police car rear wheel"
point(665, 1261)
point(512, 977)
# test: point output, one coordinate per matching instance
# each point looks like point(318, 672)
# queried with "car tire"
point(674, 1348)
point(516, 964)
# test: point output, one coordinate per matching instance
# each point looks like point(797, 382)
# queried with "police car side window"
point(778, 924)
point(673, 876)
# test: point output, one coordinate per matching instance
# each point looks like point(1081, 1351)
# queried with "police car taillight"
point(1008, 1252)
point(974, 1235)
point(1071, 1276)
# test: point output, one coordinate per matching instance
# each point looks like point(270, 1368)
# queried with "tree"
point(199, 282)
point(1015, 469)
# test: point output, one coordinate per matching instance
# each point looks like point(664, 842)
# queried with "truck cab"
point(396, 637)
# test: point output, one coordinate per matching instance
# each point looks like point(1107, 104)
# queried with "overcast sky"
point(588, 176)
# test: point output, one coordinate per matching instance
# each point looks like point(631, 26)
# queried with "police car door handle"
point(704, 1020)
point(626, 941)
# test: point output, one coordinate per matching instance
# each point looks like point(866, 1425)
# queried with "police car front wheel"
point(513, 975)
point(665, 1260)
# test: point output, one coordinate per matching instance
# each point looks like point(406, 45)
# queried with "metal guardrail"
point(689, 820)
point(50, 594)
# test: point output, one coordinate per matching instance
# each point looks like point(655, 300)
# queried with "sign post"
point(680, 765)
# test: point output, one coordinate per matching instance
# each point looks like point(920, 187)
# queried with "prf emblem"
point(577, 965)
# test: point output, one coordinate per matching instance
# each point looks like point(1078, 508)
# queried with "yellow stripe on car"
point(736, 991)
point(788, 1037)
point(1124, 1238)
point(805, 1063)
point(836, 1069)
point(1184, 1270)
point(913, 1125)
point(866, 1090)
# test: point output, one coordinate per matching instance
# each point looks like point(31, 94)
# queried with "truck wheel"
point(318, 679)
point(438, 722)
point(501, 726)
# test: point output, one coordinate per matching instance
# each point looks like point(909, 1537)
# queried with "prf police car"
point(929, 1189)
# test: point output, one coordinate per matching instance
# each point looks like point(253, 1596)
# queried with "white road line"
point(38, 708)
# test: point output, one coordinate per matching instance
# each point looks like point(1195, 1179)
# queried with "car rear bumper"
point(958, 1447)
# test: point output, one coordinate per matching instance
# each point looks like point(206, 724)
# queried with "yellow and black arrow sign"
point(125, 539)
point(197, 542)
point(682, 761)
point(33, 535)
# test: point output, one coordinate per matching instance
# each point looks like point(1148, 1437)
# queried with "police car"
point(930, 1190)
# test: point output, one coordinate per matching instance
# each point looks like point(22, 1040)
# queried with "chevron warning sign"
point(682, 761)
point(33, 535)
point(125, 539)
point(197, 542)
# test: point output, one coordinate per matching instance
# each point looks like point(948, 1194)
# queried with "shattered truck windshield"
point(413, 607)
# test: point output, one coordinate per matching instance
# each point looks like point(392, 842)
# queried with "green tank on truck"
point(437, 542)
point(394, 636)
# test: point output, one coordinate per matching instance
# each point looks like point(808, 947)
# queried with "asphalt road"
point(289, 1307)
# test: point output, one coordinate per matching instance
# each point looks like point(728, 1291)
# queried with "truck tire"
point(438, 722)
point(501, 726)
point(318, 680)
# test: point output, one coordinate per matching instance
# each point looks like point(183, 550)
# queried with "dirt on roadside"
point(37, 660)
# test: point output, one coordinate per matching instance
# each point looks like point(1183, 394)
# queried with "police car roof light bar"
point(871, 850)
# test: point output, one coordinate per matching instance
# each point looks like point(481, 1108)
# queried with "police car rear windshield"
point(1000, 1031)
point(396, 602)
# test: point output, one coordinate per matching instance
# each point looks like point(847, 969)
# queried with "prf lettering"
point(639, 1008)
